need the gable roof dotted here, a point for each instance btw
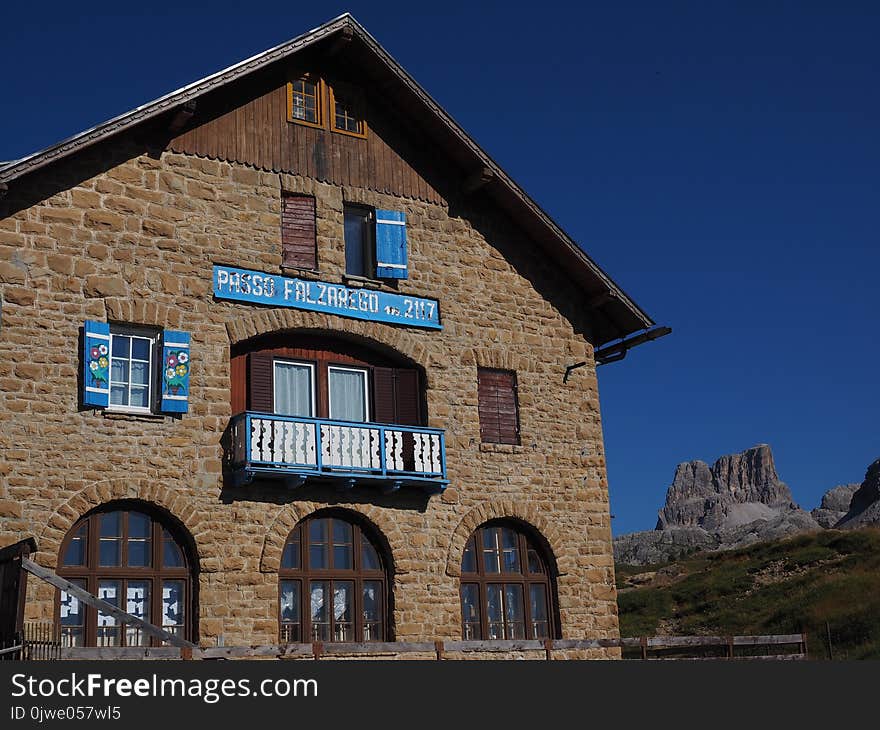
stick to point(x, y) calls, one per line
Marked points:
point(615, 314)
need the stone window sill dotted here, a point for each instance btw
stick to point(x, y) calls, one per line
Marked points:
point(296, 271)
point(127, 416)
point(364, 281)
point(502, 448)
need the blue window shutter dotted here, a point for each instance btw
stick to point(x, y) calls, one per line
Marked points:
point(391, 258)
point(176, 365)
point(96, 364)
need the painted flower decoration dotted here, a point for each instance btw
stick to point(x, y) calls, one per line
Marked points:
point(181, 369)
point(103, 362)
point(102, 349)
point(95, 353)
point(182, 357)
point(172, 361)
point(169, 373)
point(93, 365)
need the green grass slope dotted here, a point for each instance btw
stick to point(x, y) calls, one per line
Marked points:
point(825, 583)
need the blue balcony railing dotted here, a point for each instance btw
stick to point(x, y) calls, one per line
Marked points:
point(297, 449)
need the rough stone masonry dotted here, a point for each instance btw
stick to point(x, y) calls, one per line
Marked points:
point(120, 234)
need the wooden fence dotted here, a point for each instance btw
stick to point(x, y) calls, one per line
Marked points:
point(43, 644)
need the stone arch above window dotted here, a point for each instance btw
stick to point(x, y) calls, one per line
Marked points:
point(562, 556)
point(137, 557)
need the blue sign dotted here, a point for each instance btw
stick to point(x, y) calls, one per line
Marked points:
point(242, 285)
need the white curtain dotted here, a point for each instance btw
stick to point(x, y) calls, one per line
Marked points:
point(293, 389)
point(347, 391)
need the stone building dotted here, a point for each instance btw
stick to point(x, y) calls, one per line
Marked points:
point(286, 357)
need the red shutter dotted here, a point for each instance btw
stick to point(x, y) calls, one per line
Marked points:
point(260, 383)
point(298, 239)
point(499, 419)
point(383, 395)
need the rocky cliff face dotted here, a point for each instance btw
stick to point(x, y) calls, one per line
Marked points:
point(735, 502)
point(864, 508)
point(736, 490)
point(834, 505)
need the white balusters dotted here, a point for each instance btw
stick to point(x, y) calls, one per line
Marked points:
point(357, 447)
point(436, 453)
point(393, 450)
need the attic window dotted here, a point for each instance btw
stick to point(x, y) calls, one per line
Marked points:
point(305, 97)
point(347, 111)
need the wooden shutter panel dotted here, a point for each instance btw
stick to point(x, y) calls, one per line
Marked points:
point(407, 397)
point(391, 255)
point(176, 367)
point(499, 419)
point(298, 238)
point(260, 383)
point(96, 364)
point(383, 395)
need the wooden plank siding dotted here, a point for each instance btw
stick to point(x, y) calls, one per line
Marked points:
point(257, 133)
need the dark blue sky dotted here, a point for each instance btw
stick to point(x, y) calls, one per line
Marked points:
point(719, 159)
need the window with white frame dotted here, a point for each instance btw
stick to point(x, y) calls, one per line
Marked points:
point(348, 394)
point(132, 358)
point(294, 390)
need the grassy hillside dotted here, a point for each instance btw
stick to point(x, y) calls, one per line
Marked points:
point(821, 583)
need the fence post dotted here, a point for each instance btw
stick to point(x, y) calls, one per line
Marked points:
point(317, 649)
point(730, 647)
point(644, 644)
point(438, 649)
point(548, 648)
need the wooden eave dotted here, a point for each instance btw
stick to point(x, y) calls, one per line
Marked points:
point(613, 313)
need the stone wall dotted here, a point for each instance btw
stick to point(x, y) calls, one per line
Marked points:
point(132, 237)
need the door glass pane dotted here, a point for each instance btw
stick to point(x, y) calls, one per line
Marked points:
point(348, 390)
point(139, 542)
point(76, 548)
point(290, 556)
point(511, 550)
point(108, 627)
point(495, 611)
point(291, 624)
point(343, 556)
point(318, 545)
point(72, 617)
point(173, 608)
point(171, 555)
point(514, 614)
point(369, 557)
point(491, 550)
point(372, 610)
point(343, 613)
point(470, 612)
point(538, 607)
point(137, 603)
point(319, 591)
point(469, 559)
point(110, 543)
point(293, 389)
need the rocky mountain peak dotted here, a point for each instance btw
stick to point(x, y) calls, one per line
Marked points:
point(716, 497)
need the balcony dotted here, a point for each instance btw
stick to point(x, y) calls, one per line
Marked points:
point(298, 449)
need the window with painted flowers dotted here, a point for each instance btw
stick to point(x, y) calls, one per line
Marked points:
point(135, 369)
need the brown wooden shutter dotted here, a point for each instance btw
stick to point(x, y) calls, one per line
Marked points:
point(407, 397)
point(238, 383)
point(499, 419)
point(383, 395)
point(260, 383)
point(298, 239)
point(397, 396)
